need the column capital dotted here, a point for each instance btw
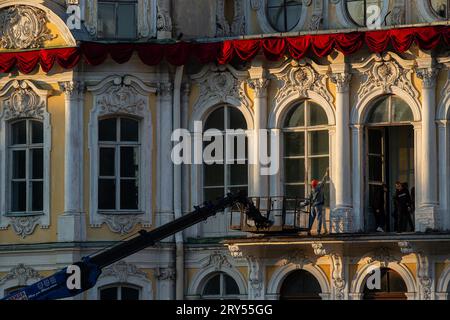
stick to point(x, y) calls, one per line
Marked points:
point(186, 88)
point(72, 89)
point(260, 86)
point(341, 80)
point(165, 89)
point(428, 76)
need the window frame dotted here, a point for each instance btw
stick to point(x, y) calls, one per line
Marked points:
point(119, 287)
point(305, 131)
point(390, 121)
point(284, 6)
point(222, 287)
point(116, 18)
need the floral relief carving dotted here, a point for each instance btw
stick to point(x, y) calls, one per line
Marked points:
point(121, 99)
point(122, 271)
point(23, 102)
point(122, 223)
point(22, 273)
point(23, 27)
point(217, 260)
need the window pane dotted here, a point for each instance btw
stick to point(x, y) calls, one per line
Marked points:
point(37, 132)
point(212, 286)
point(37, 156)
point(375, 141)
point(236, 118)
point(293, 12)
point(109, 294)
point(129, 194)
point(318, 142)
point(380, 112)
point(401, 110)
point(296, 117)
point(106, 194)
point(18, 196)
point(294, 144)
point(231, 286)
point(126, 20)
point(129, 162)
point(107, 162)
point(294, 170)
point(37, 201)
point(214, 174)
point(318, 167)
point(239, 174)
point(276, 18)
point(106, 20)
point(211, 194)
point(294, 191)
point(107, 130)
point(129, 130)
point(317, 115)
point(375, 168)
point(215, 120)
point(19, 132)
point(129, 293)
point(19, 164)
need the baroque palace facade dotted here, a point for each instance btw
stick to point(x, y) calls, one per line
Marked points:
point(86, 117)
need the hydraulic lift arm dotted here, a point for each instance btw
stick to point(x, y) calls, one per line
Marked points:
point(55, 286)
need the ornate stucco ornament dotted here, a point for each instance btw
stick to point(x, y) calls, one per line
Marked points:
point(23, 102)
point(23, 27)
point(121, 98)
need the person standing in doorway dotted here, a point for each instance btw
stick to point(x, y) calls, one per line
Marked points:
point(402, 200)
point(316, 199)
point(378, 206)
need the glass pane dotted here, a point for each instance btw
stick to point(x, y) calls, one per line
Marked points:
point(19, 132)
point(37, 158)
point(276, 18)
point(106, 20)
point(401, 110)
point(212, 287)
point(129, 130)
point(215, 120)
point(317, 115)
point(107, 130)
point(106, 194)
point(293, 12)
point(294, 170)
point(129, 194)
point(375, 168)
point(396, 283)
point(129, 293)
point(295, 191)
point(211, 194)
point(296, 117)
point(231, 286)
point(37, 132)
point(19, 196)
point(318, 167)
point(129, 162)
point(239, 174)
point(18, 164)
point(213, 174)
point(37, 201)
point(375, 141)
point(318, 143)
point(294, 144)
point(236, 118)
point(109, 294)
point(440, 7)
point(107, 162)
point(126, 20)
point(380, 112)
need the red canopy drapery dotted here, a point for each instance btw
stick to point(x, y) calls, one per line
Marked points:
point(179, 53)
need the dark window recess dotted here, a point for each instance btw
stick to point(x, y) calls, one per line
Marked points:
point(117, 19)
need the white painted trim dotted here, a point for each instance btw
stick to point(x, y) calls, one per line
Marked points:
point(443, 283)
point(204, 274)
point(145, 286)
point(276, 281)
point(344, 17)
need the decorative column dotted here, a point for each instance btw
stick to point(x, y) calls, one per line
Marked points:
point(357, 177)
point(256, 285)
point(426, 214)
point(341, 170)
point(71, 224)
point(166, 283)
point(165, 164)
point(444, 138)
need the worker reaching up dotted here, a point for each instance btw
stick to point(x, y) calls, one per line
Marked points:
point(316, 199)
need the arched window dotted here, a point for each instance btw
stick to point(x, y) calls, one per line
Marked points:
point(119, 161)
point(306, 147)
point(300, 285)
point(220, 286)
point(26, 152)
point(441, 8)
point(390, 109)
point(393, 287)
point(357, 10)
point(120, 292)
point(220, 178)
point(284, 15)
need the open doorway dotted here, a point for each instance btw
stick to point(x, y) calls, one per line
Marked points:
point(389, 158)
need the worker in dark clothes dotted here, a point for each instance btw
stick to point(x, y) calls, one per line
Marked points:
point(402, 200)
point(378, 206)
point(316, 199)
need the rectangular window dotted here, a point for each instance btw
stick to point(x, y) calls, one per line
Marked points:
point(117, 19)
point(26, 156)
point(119, 153)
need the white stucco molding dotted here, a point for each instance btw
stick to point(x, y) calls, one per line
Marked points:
point(122, 95)
point(426, 11)
point(443, 111)
point(443, 283)
point(20, 275)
